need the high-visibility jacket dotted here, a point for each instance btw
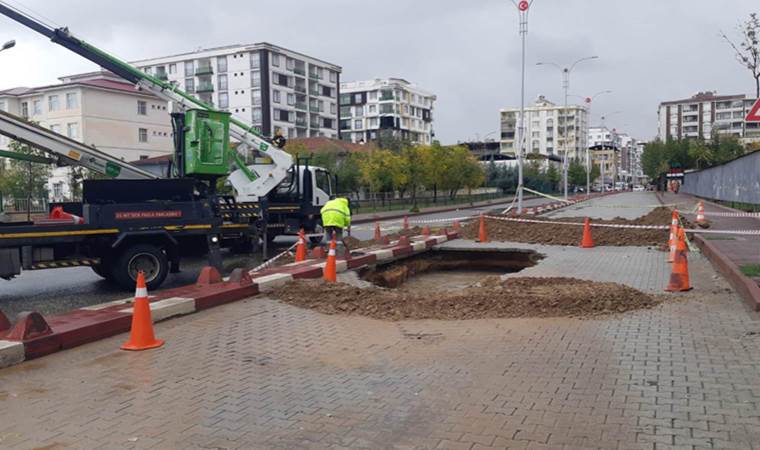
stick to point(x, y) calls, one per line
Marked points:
point(335, 213)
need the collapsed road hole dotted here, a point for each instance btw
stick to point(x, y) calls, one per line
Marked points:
point(449, 269)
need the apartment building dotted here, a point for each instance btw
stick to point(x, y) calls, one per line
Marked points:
point(273, 88)
point(545, 127)
point(391, 105)
point(705, 113)
point(98, 109)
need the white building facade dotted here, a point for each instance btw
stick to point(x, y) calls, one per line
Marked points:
point(392, 105)
point(96, 109)
point(270, 87)
point(705, 113)
point(545, 126)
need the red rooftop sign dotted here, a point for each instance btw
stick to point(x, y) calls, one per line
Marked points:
point(754, 113)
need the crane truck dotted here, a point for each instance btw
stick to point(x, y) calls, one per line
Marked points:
point(135, 221)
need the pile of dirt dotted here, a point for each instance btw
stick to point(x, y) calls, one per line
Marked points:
point(354, 243)
point(551, 234)
point(492, 298)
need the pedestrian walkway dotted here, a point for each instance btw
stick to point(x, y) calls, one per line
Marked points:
point(741, 249)
point(628, 205)
point(260, 374)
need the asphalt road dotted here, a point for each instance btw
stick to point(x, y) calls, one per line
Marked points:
point(59, 290)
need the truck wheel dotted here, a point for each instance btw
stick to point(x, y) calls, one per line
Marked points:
point(101, 271)
point(141, 257)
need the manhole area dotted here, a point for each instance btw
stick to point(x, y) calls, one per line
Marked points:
point(447, 270)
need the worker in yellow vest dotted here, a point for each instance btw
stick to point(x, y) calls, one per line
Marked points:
point(336, 217)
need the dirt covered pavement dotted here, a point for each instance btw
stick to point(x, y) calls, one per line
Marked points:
point(492, 298)
point(354, 243)
point(550, 234)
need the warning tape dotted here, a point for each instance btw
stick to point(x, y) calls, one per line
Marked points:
point(755, 215)
point(556, 199)
point(640, 227)
point(269, 263)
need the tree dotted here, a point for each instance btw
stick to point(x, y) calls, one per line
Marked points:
point(23, 179)
point(747, 50)
point(700, 153)
point(381, 170)
point(553, 177)
point(576, 173)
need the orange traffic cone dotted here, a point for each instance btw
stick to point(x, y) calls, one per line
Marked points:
point(378, 233)
point(301, 247)
point(701, 212)
point(406, 223)
point(141, 336)
point(679, 276)
point(587, 241)
point(456, 226)
point(673, 236)
point(482, 232)
point(330, 272)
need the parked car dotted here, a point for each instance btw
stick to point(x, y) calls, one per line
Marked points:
point(638, 188)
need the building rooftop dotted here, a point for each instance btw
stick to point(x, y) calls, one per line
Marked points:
point(705, 97)
point(246, 47)
point(380, 82)
point(103, 82)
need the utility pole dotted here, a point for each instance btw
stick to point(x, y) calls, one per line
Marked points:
point(523, 6)
point(589, 101)
point(566, 85)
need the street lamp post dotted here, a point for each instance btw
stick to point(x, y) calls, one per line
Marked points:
point(566, 85)
point(523, 6)
point(589, 101)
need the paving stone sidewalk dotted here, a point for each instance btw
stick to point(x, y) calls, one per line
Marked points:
point(259, 374)
point(628, 205)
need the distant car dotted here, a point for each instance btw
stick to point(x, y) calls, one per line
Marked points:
point(639, 188)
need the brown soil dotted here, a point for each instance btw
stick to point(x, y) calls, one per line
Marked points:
point(550, 234)
point(354, 243)
point(493, 298)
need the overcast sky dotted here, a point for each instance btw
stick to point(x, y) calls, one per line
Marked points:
point(465, 51)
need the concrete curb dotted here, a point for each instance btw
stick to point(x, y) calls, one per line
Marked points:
point(747, 288)
point(96, 322)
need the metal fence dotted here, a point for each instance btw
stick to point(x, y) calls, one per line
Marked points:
point(22, 205)
point(737, 181)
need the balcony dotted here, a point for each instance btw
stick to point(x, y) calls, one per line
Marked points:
point(385, 98)
point(204, 87)
point(163, 76)
point(299, 71)
point(301, 106)
point(314, 108)
point(314, 76)
point(300, 121)
point(204, 70)
point(300, 88)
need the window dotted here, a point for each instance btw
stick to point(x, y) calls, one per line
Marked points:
point(291, 99)
point(224, 100)
point(357, 98)
point(55, 128)
point(345, 99)
point(372, 109)
point(290, 63)
point(256, 97)
point(142, 108)
point(327, 123)
point(374, 122)
point(275, 60)
point(256, 78)
point(142, 135)
point(72, 100)
point(345, 124)
point(36, 107)
point(255, 60)
point(333, 108)
point(333, 77)
point(53, 103)
point(327, 91)
point(72, 130)
point(358, 124)
point(172, 68)
point(345, 111)
point(358, 111)
point(24, 109)
point(189, 69)
point(275, 96)
point(190, 85)
point(373, 95)
point(221, 63)
point(256, 116)
point(222, 82)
